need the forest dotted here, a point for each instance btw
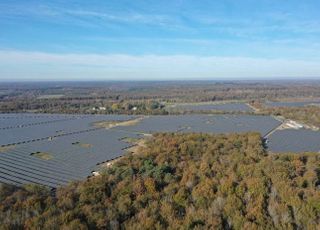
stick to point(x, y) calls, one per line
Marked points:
point(180, 181)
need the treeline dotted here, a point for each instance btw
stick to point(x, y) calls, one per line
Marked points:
point(81, 98)
point(84, 106)
point(309, 115)
point(180, 181)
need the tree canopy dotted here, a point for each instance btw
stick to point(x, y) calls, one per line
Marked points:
point(180, 181)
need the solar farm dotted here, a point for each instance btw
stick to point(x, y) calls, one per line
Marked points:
point(205, 124)
point(226, 107)
point(54, 149)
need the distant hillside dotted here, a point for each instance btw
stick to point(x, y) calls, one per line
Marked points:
point(188, 181)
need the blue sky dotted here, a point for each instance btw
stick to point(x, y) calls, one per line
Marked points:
point(136, 40)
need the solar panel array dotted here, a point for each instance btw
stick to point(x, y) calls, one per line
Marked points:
point(229, 107)
point(57, 136)
point(291, 140)
point(69, 160)
point(206, 124)
point(73, 146)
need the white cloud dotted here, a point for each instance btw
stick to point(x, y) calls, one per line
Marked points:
point(84, 17)
point(37, 65)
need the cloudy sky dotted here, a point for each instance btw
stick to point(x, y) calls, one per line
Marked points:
point(159, 40)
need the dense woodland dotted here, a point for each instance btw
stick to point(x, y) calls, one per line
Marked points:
point(180, 181)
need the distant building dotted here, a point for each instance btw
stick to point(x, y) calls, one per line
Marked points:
point(294, 125)
point(99, 108)
point(94, 173)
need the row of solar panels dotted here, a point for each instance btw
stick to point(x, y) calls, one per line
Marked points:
point(33, 115)
point(8, 124)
